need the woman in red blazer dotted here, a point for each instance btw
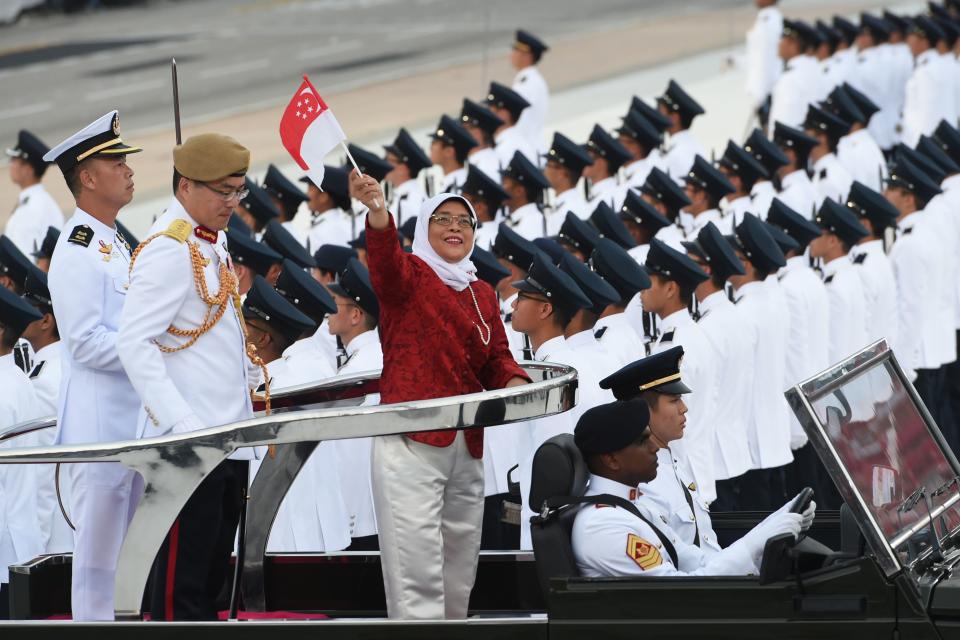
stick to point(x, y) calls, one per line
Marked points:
point(442, 336)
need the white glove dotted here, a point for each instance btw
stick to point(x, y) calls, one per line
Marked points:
point(808, 515)
point(781, 523)
point(188, 424)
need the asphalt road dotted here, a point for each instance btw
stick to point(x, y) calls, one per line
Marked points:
point(59, 72)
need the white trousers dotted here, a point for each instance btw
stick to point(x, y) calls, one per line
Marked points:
point(429, 508)
point(104, 497)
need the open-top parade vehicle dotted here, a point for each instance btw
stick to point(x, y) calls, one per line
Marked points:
point(880, 568)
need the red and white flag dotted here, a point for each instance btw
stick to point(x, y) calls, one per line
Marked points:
point(309, 130)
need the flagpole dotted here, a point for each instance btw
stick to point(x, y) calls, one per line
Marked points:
point(355, 166)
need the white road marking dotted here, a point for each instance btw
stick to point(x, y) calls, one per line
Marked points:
point(340, 47)
point(26, 110)
point(123, 90)
point(234, 69)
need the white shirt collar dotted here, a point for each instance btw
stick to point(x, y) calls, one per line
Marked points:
point(31, 190)
point(713, 301)
point(581, 339)
point(549, 348)
point(599, 485)
point(835, 265)
point(793, 177)
point(677, 319)
point(362, 340)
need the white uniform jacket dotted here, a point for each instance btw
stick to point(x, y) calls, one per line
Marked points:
point(848, 312)
point(530, 84)
point(36, 210)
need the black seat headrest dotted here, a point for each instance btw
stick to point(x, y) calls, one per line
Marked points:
point(558, 470)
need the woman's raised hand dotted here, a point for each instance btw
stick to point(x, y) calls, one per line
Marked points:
point(367, 190)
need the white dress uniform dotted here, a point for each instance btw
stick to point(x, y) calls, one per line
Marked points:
point(486, 233)
point(586, 343)
point(510, 140)
point(46, 376)
point(206, 384)
point(569, 200)
point(720, 324)
point(941, 216)
point(515, 339)
point(916, 265)
point(527, 221)
point(453, 181)
point(834, 74)
point(899, 66)
point(530, 84)
point(880, 291)
point(808, 344)
point(36, 211)
point(306, 360)
point(675, 498)
point(88, 281)
point(951, 189)
point(679, 151)
point(860, 155)
point(407, 198)
point(486, 160)
point(761, 197)
point(929, 97)
point(672, 235)
point(846, 61)
point(761, 312)
point(21, 532)
point(732, 214)
point(848, 313)
point(830, 180)
point(797, 192)
point(636, 172)
point(871, 76)
point(699, 221)
point(763, 63)
point(619, 337)
point(611, 541)
point(363, 354)
point(313, 515)
point(330, 227)
point(531, 434)
point(606, 190)
point(700, 371)
point(799, 86)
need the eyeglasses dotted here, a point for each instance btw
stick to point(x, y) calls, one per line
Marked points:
point(227, 196)
point(445, 220)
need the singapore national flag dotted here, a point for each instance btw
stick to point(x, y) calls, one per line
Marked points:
point(309, 130)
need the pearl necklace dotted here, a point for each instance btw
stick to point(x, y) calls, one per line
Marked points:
point(476, 306)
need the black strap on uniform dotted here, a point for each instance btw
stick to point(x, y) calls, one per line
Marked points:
point(696, 525)
point(616, 501)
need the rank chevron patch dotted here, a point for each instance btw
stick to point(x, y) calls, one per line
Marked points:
point(646, 555)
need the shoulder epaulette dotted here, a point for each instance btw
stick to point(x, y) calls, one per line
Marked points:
point(860, 259)
point(828, 279)
point(81, 235)
point(37, 369)
point(179, 230)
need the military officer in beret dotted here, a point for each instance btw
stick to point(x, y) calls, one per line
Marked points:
point(408, 160)
point(355, 325)
point(743, 171)
point(830, 178)
point(487, 196)
point(800, 84)
point(706, 186)
point(877, 215)
point(331, 218)
point(565, 163)
point(21, 528)
point(620, 328)
point(674, 278)
point(88, 282)
point(508, 105)
point(857, 151)
point(642, 140)
point(669, 198)
point(608, 156)
point(449, 149)
point(36, 209)
point(611, 540)
point(681, 147)
point(719, 322)
point(190, 363)
point(256, 208)
point(482, 125)
point(251, 259)
point(529, 83)
point(764, 316)
point(526, 186)
point(287, 196)
point(796, 189)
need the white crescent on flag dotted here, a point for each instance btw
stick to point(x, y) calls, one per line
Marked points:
point(309, 131)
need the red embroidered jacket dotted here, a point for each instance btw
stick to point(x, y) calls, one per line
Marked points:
point(431, 346)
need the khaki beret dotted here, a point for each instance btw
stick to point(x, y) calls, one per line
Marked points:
point(210, 156)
